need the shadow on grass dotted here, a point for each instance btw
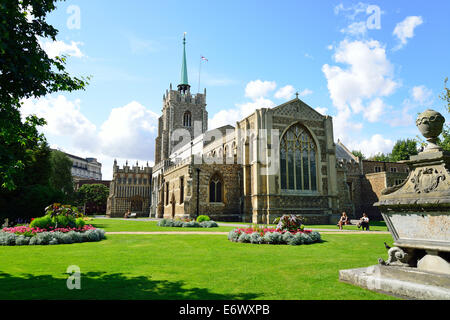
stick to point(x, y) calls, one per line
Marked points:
point(100, 285)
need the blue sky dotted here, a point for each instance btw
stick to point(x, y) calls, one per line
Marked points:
point(371, 65)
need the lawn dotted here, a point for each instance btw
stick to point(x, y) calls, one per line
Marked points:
point(190, 267)
point(110, 225)
point(374, 226)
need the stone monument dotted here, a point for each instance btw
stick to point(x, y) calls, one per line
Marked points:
point(417, 214)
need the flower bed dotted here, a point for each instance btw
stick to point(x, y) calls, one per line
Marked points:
point(20, 236)
point(186, 224)
point(62, 224)
point(273, 236)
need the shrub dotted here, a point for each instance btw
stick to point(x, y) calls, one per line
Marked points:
point(191, 224)
point(244, 238)
point(64, 221)
point(287, 237)
point(208, 224)
point(289, 223)
point(80, 223)
point(44, 222)
point(233, 235)
point(43, 238)
point(297, 239)
point(202, 218)
point(273, 238)
point(22, 240)
point(178, 223)
point(255, 237)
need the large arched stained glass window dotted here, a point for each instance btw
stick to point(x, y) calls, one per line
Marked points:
point(298, 170)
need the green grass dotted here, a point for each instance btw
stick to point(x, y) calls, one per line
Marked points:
point(149, 226)
point(374, 226)
point(190, 267)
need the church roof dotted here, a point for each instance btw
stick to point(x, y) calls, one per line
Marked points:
point(342, 153)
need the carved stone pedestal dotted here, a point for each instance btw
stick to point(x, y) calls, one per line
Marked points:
point(417, 214)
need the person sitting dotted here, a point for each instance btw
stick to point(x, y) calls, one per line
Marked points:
point(343, 220)
point(364, 222)
point(127, 214)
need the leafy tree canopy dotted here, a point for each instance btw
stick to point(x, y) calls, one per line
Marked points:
point(403, 150)
point(93, 193)
point(26, 71)
point(61, 172)
point(359, 154)
point(381, 157)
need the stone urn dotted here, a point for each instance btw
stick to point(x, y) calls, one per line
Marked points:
point(430, 124)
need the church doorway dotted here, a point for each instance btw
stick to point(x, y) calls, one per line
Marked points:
point(136, 204)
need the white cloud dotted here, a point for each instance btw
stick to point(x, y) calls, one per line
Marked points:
point(258, 89)
point(322, 111)
point(63, 117)
point(356, 29)
point(128, 133)
point(369, 74)
point(375, 110)
point(58, 48)
point(305, 93)
point(285, 93)
point(422, 94)
point(370, 147)
point(405, 30)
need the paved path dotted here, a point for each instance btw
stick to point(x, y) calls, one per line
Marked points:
point(225, 233)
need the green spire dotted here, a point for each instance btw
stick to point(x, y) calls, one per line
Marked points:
point(184, 75)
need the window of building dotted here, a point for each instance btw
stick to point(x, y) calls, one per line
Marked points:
point(407, 170)
point(215, 188)
point(129, 180)
point(181, 190)
point(298, 160)
point(377, 169)
point(167, 193)
point(399, 181)
point(393, 169)
point(187, 119)
point(145, 181)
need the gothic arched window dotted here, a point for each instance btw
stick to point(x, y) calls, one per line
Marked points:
point(187, 119)
point(298, 169)
point(215, 188)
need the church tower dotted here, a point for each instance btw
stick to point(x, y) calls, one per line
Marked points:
point(181, 110)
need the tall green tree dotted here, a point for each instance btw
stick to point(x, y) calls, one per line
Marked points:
point(381, 157)
point(26, 71)
point(60, 174)
point(359, 154)
point(93, 194)
point(403, 150)
point(444, 139)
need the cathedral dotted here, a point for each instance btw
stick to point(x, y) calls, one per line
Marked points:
point(276, 161)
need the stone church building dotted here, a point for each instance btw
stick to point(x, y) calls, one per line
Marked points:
point(276, 161)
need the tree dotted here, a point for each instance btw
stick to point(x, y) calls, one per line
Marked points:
point(93, 194)
point(359, 154)
point(381, 157)
point(444, 142)
point(61, 173)
point(26, 71)
point(403, 150)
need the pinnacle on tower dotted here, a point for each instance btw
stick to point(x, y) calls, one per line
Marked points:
point(184, 86)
